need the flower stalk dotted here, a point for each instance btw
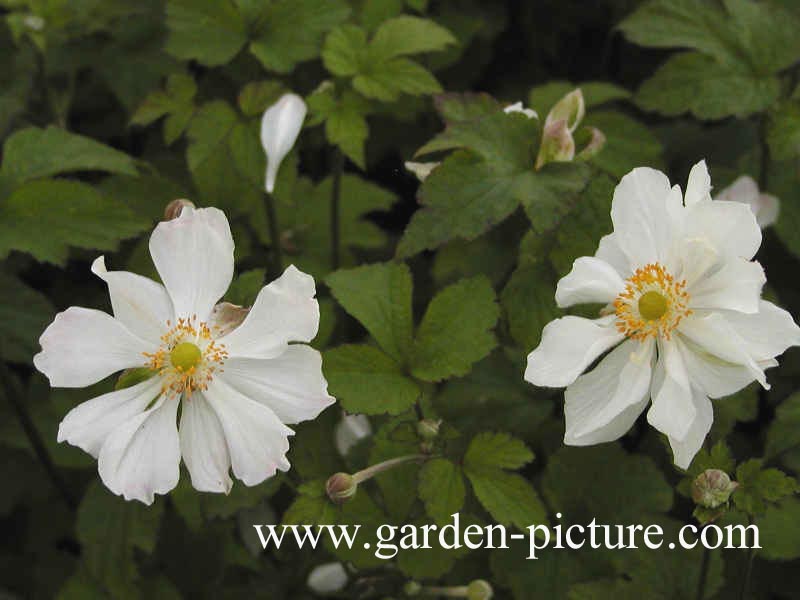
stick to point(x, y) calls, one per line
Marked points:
point(478, 589)
point(336, 193)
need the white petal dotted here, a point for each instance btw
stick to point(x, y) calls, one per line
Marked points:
point(203, 446)
point(284, 311)
point(683, 450)
point(89, 424)
point(730, 227)
point(603, 404)
point(768, 208)
point(280, 126)
point(139, 303)
point(141, 457)
point(292, 384)
point(194, 257)
point(736, 285)
point(569, 345)
point(766, 334)
point(257, 440)
point(673, 411)
point(327, 579)
point(698, 188)
point(349, 431)
point(590, 280)
point(517, 107)
point(82, 346)
point(744, 189)
point(609, 251)
point(642, 223)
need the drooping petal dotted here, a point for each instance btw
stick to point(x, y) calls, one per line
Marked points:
point(349, 431)
point(82, 346)
point(642, 223)
point(609, 251)
point(569, 345)
point(284, 311)
point(292, 384)
point(672, 411)
point(257, 440)
point(603, 404)
point(698, 188)
point(141, 457)
point(684, 450)
point(89, 424)
point(730, 227)
point(203, 446)
point(736, 285)
point(194, 257)
point(767, 333)
point(590, 280)
point(280, 126)
point(139, 303)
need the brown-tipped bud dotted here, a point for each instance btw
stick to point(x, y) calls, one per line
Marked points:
point(557, 144)
point(597, 140)
point(428, 429)
point(479, 590)
point(712, 488)
point(412, 588)
point(340, 487)
point(174, 208)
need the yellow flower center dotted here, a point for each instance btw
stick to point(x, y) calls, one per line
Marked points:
point(185, 355)
point(652, 304)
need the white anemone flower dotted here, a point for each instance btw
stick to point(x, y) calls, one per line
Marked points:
point(684, 320)
point(237, 385)
point(745, 190)
point(280, 126)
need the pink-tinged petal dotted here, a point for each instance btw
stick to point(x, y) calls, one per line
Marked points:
point(672, 411)
point(291, 384)
point(203, 446)
point(767, 333)
point(141, 457)
point(684, 450)
point(139, 303)
point(257, 440)
point(569, 345)
point(284, 311)
point(89, 424)
point(194, 257)
point(590, 280)
point(82, 346)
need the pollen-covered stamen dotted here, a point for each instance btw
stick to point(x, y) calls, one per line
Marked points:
point(188, 357)
point(653, 303)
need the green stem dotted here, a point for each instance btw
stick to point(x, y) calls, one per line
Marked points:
point(458, 591)
point(371, 471)
point(336, 191)
point(274, 236)
point(701, 582)
point(751, 554)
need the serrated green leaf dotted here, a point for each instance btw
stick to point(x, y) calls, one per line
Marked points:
point(552, 192)
point(455, 108)
point(629, 143)
point(441, 488)
point(345, 121)
point(244, 289)
point(387, 80)
point(783, 434)
point(344, 49)
point(209, 31)
point(757, 486)
point(783, 130)
point(492, 450)
point(24, 313)
point(406, 35)
point(529, 303)
point(176, 102)
point(779, 531)
point(508, 497)
point(256, 96)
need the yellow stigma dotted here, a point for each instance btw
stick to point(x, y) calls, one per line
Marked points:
point(652, 305)
point(185, 355)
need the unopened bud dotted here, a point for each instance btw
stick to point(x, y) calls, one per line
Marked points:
point(174, 208)
point(597, 140)
point(557, 144)
point(428, 429)
point(712, 488)
point(340, 487)
point(412, 588)
point(570, 109)
point(479, 590)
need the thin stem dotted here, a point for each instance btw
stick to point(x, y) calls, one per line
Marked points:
point(763, 175)
point(14, 397)
point(701, 582)
point(751, 554)
point(371, 471)
point(274, 236)
point(336, 191)
point(459, 591)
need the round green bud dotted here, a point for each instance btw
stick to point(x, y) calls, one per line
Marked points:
point(479, 590)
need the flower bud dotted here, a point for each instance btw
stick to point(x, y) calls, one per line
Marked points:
point(712, 488)
point(428, 429)
point(280, 127)
point(557, 144)
point(340, 487)
point(479, 590)
point(174, 208)
point(570, 108)
point(421, 169)
point(596, 142)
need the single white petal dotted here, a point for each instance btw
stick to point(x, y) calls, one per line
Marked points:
point(141, 457)
point(291, 384)
point(602, 404)
point(327, 579)
point(639, 211)
point(82, 346)
point(609, 251)
point(257, 440)
point(684, 450)
point(569, 345)
point(698, 188)
point(766, 334)
point(673, 411)
point(194, 257)
point(89, 424)
point(203, 446)
point(518, 107)
point(735, 285)
point(284, 311)
point(744, 189)
point(590, 280)
point(767, 210)
point(730, 227)
point(421, 169)
point(349, 431)
point(280, 126)
point(696, 259)
point(139, 303)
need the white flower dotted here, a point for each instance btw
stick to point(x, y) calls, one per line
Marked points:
point(238, 388)
point(517, 107)
point(745, 190)
point(349, 431)
point(328, 578)
point(280, 127)
point(683, 316)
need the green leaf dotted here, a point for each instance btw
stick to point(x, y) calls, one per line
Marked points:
point(389, 79)
point(33, 153)
point(176, 102)
point(629, 143)
point(455, 108)
point(256, 96)
point(343, 50)
point(345, 121)
point(406, 35)
point(783, 435)
point(379, 296)
point(456, 331)
point(441, 488)
point(758, 486)
point(783, 130)
point(365, 380)
point(496, 451)
point(549, 195)
point(72, 214)
point(24, 313)
point(244, 289)
point(396, 438)
point(529, 303)
point(779, 531)
point(508, 497)
point(209, 31)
